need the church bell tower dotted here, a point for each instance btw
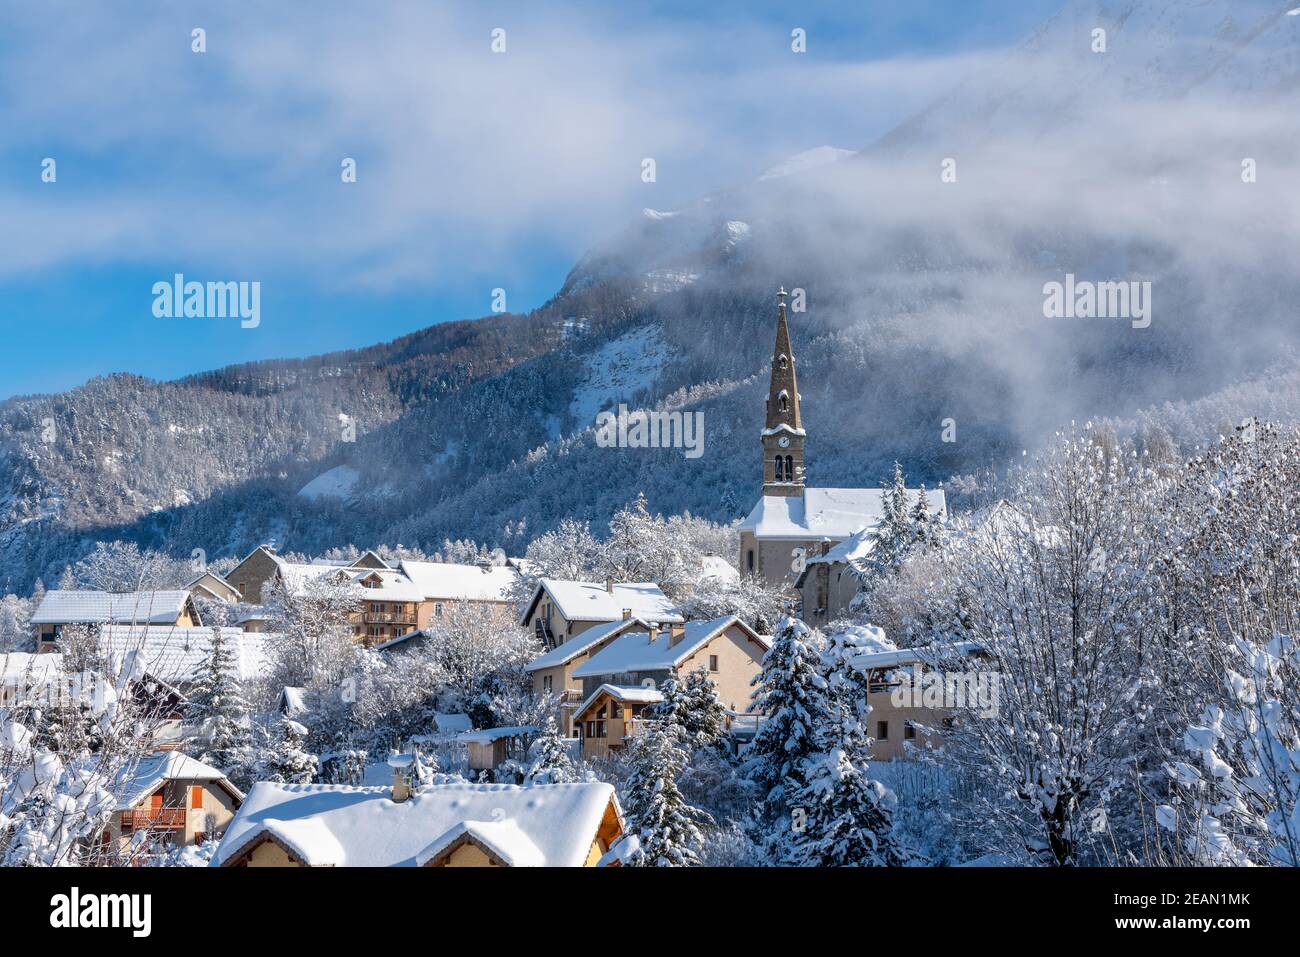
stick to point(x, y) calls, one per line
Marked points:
point(783, 437)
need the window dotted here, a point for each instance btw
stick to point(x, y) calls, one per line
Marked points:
point(546, 683)
point(713, 662)
point(749, 560)
point(789, 468)
point(882, 730)
point(196, 797)
point(437, 609)
point(783, 361)
point(780, 469)
point(591, 729)
point(783, 402)
point(909, 730)
point(600, 729)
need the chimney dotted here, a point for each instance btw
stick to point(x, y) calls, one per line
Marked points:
point(627, 614)
point(654, 632)
point(675, 634)
point(609, 584)
point(402, 770)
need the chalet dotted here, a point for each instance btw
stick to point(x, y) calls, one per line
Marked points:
point(552, 673)
point(791, 523)
point(611, 715)
point(726, 649)
point(175, 798)
point(560, 609)
point(213, 587)
point(440, 825)
point(61, 608)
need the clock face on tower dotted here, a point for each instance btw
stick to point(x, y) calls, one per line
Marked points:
point(784, 441)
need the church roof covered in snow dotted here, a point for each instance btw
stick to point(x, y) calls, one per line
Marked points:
point(540, 825)
point(588, 601)
point(831, 513)
point(63, 606)
point(635, 651)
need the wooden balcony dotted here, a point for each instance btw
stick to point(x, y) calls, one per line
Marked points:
point(388, 617)
point(165, 818)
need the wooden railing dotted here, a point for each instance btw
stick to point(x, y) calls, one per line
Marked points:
point(166, 818)
point(388, 617)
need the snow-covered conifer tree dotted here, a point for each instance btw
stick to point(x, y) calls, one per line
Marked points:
point(665, 826)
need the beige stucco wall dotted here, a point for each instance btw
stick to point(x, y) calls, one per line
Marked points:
point(270, 854)
point(739, 660)
point(883, 709)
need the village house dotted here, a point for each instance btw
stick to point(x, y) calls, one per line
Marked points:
point(437, 825)
point(903, 718)
point(393, 602)
point(63, 608)
point(213, 587)
point(164, 663)
point(176, 799)
point(615, 680)
point(559, 610)
point(552, 673)
point(792, 523)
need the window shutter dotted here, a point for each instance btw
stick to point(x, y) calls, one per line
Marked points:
point(196, 797)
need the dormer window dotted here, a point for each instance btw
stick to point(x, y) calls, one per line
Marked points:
point(782, 361)
point(783, 401)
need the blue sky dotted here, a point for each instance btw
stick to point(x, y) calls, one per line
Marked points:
point(475, 170)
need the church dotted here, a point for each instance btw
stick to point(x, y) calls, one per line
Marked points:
point(794, 526)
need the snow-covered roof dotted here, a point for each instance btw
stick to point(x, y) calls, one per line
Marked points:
point(625, 694)
point(833, 513)
point(855, 548)
point(505, 840)
point(925, 654)
point(717, 568)
point(201, 583)
point(63, 606)
point(137, 782)
point(488, 735)
point(588, 601)
point(549, 825)
point(448, 582)
point(581, 642)
point(175, 654)
point(634, 651)
point(23, 668)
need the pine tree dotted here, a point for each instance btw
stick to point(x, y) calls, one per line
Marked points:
point(217, 704)
point(788, 694)
point(553, 763)
point(841, 817)
point(290, 762)
point(666, 828)
point(692, 707)
point(925, 525)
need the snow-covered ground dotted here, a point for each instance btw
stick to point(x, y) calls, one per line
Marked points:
point(617, 371)
point(339, 482)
